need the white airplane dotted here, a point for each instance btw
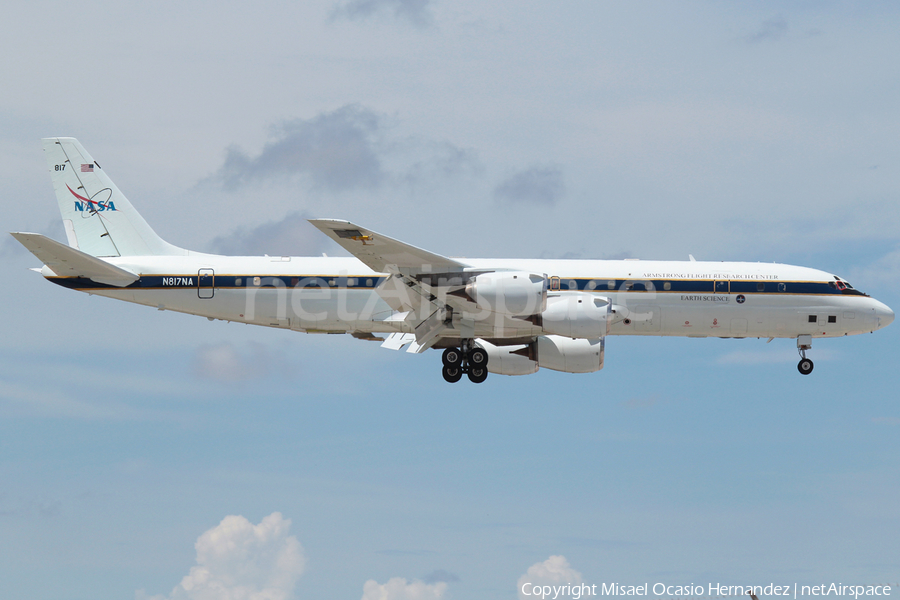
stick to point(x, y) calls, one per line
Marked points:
point(505, 316)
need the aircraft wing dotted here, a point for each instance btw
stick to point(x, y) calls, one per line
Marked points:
point(382, 253)
point(70, 262)
point(411, 290)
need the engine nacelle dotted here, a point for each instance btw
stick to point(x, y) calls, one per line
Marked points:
point(577, 315)
point(552, 352)
point(568, 355)
point(512, 293)
point(510, 360)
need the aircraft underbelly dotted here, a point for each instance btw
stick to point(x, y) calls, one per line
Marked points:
point(756, 317)
point(317, 310)
point(363, 310)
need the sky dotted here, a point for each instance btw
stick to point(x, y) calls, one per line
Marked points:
point(150, 455)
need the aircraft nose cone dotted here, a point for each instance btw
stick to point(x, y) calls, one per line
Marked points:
point(885, 315)
point(882, 313)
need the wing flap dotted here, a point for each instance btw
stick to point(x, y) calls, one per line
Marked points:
point(69, 262)
point(396, 341)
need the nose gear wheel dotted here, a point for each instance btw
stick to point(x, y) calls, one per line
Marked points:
point(805, 366)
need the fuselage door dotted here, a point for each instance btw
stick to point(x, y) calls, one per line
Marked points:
point(721, 287)
point(206, 279)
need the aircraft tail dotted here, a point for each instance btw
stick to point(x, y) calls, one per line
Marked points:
point(99, 219)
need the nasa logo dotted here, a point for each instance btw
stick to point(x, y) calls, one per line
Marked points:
point(740, 299)
point(90, 205)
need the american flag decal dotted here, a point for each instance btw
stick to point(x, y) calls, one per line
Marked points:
point(89, 168)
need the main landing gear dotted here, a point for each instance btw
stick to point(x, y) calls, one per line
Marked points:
point(804, 343)
point(469, 359)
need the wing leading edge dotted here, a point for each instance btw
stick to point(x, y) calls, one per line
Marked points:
point(382, 253)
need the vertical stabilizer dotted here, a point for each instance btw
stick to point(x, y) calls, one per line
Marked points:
point(98, 218)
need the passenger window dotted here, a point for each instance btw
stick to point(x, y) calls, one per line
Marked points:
point(238, 281)
point(782, 287)
point(256, 281)
point(351, 282)
point(832, 318)
point(812, 318)
point(573, 285)
point(760, 287)
point(667, 286)
point(368, 283)
point(611, 284)
point(629, 287)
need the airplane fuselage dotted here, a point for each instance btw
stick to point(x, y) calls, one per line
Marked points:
point(338, 295)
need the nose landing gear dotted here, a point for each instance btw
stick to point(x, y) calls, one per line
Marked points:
point(470, 359)
point(804, 343)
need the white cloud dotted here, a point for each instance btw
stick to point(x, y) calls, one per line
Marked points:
point(416, 11)
point(336, 150)
point(291, 236)
point(770, 30)
point(225, 362)
point(439, 575)
point(555, 571)
point(535, 185)
point(350, 149)
point(237, 560)
point(398, 589)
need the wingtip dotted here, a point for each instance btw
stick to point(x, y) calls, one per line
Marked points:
point(327, 221)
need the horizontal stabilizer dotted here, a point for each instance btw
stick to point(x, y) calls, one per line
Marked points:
point(69, 262)
point(378, 252)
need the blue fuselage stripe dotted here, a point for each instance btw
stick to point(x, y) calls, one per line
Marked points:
point(598, 285)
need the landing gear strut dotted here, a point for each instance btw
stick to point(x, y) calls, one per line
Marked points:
point(804, 343)
point(469, 359)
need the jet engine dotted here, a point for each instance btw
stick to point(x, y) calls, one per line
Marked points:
point(549, 351)
point(510, 360)
point(570, 356)
point(577, 315)
point(512, 293)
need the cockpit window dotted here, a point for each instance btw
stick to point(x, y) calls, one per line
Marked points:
point(840, 284)
point(844, 287)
